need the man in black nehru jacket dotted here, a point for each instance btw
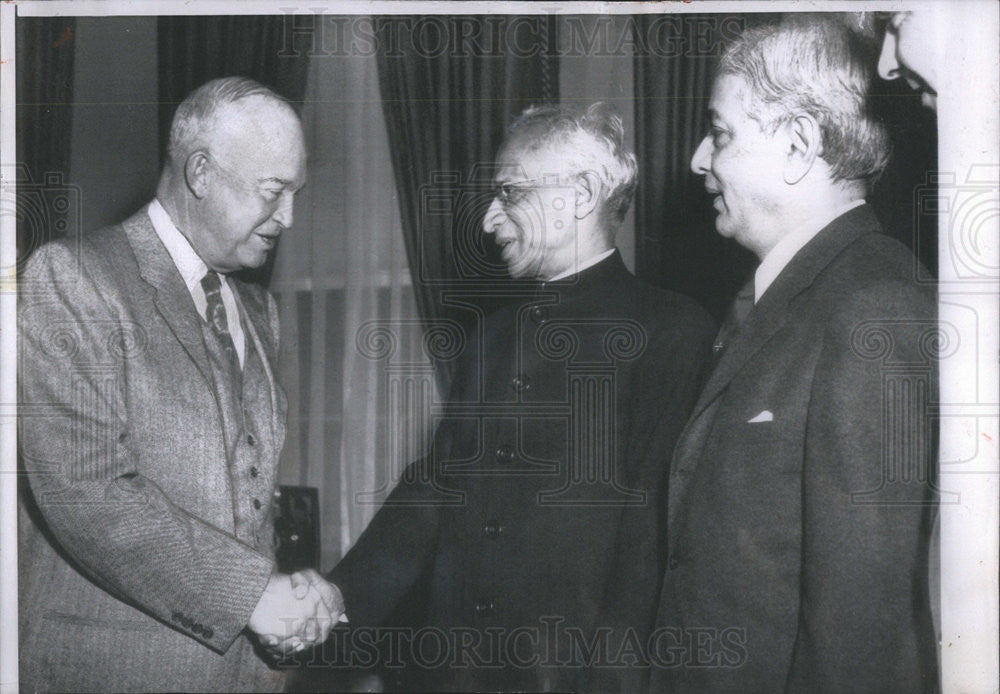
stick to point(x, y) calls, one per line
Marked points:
point(531, 525)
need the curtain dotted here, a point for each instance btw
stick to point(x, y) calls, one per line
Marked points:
point(352, 356)
point(194, 50)
point(447, 112)
point(47, 206)
point(676, 244)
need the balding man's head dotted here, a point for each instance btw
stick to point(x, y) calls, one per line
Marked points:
point(236, 157)
point(211, 108)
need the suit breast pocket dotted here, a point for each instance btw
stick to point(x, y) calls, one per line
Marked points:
point(767, 447)
point(756, 440)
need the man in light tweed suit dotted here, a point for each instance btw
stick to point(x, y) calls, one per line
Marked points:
point(151, 425)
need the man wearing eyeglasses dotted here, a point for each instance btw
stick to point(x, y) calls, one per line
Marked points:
point(151, 424)
point(531, 531)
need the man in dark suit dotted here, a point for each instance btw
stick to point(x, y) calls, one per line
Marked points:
point(530, 531)
point(151, 424)
point(801, 490)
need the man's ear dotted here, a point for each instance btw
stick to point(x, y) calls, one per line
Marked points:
point(805, 144)
point(588, 193)
point(196, 173)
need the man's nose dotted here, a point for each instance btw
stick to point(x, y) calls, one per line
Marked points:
point(285, 213)
point(494, 217)
point(888, 66)
point(702, 157)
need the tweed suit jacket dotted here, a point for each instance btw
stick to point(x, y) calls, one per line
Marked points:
point(802, 492)
point(131, 576)
point(532, 514)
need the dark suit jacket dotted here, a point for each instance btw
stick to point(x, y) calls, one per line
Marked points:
point(798, 547)
point(532, 515)
point(131, 576)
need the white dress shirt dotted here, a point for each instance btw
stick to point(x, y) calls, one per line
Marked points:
point(193, 269)
point(783, 252)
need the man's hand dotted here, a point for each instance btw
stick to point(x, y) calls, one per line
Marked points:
point(296, 611)
point(309, 579)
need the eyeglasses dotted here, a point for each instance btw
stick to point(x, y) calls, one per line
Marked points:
point(505, 192)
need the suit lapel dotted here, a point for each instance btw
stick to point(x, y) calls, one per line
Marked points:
point(258, 331)
point(772, 311)
point(766, 319)
point(254, 315)
point(170, 296)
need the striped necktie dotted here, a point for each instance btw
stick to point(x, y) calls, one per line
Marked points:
point(215, 315)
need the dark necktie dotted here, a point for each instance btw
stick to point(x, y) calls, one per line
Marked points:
point(738, 313)
point(215, 314)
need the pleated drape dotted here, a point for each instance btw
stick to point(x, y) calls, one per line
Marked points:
point(676, 243)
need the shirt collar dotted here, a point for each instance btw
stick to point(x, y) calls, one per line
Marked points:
point(783, 252)
point(580, 267)
point(189, 264)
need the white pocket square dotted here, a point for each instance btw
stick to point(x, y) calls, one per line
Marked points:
point(765, 416)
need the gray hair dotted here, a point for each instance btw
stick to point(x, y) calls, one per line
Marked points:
point(815, 65)
point(195, 116)
point(596, 140)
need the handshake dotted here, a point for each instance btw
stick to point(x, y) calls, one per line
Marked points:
point(296, 611)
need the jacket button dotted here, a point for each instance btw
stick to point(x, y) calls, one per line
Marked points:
point(254, 471)
point(673, 562)
point(484, 607)
point(493, 529)
point(539, 314)
point(504, 454)
point(521, 383)
point(251, 440)
point(207, 632)
point(176, 616)
point(256, 504)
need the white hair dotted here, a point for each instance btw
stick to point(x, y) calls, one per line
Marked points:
point(196, 115)
point(814, 65)
point(591, 141)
